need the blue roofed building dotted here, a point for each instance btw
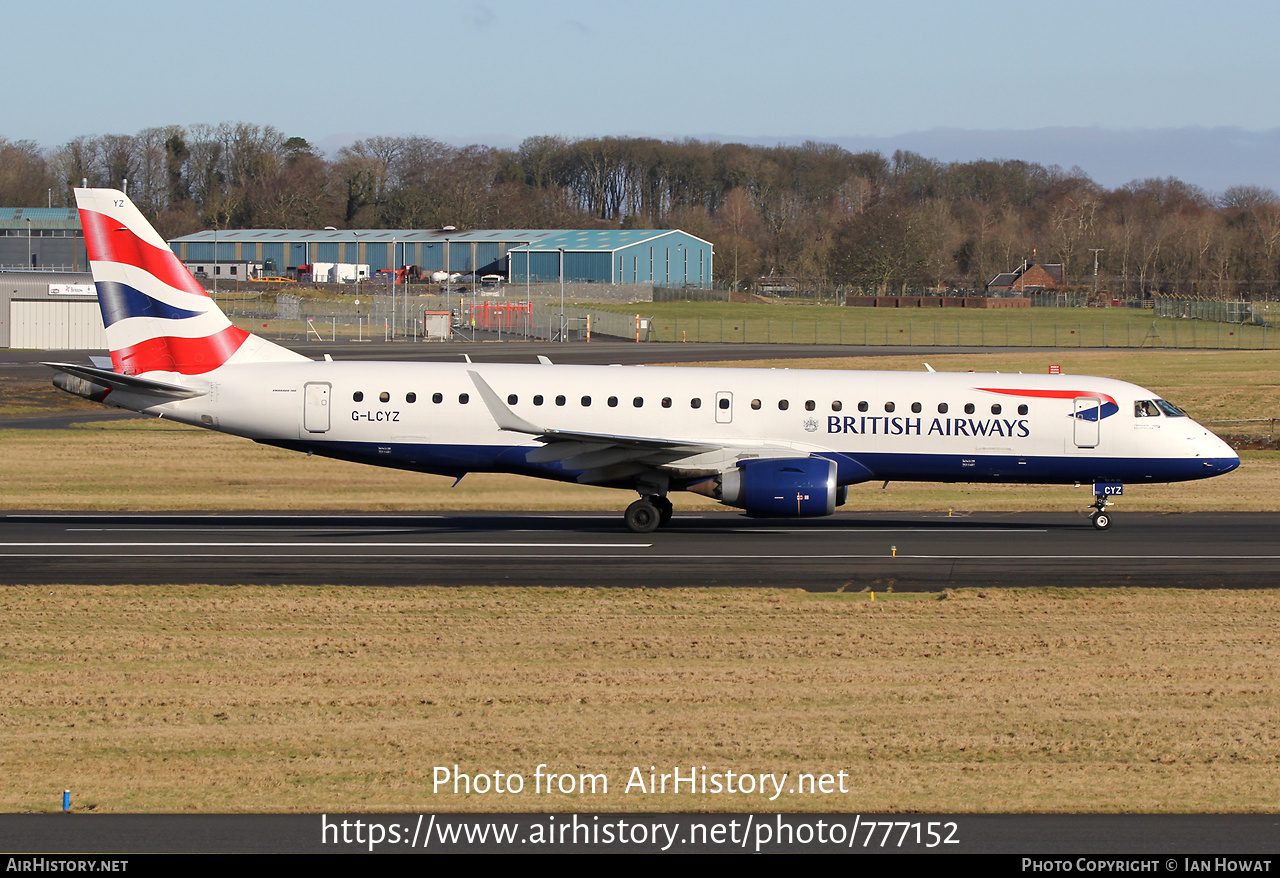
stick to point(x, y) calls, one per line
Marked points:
point(666, 257)
point(42, 237)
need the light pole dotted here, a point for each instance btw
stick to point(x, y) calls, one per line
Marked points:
point(561, 251)
point(311, 256)
point(357, 267)
point(1095, 251)
point(395, 273)
point(29, 245)
point(447, 261)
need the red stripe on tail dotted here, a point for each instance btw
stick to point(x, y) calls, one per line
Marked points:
point(107, 241)
point(188, 356)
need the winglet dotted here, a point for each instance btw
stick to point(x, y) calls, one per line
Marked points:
point(503, 416)
point(544, 360)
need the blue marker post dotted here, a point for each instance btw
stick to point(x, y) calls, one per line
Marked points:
point(66, 801)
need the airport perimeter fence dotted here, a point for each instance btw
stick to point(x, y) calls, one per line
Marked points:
point(897, 329)
point(380, 316)
point(1208, 309)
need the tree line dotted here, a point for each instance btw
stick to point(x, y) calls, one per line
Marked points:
point(814, 212)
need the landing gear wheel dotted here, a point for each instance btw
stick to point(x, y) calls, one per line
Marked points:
point(665, 509)
point(643, 517)
point(1100, 520)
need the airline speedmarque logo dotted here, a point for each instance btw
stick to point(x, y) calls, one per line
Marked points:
point(883, 425)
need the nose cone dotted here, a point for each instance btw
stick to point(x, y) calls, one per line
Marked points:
point(1217, 457)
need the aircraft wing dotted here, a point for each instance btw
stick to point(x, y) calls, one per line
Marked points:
point(600, 454)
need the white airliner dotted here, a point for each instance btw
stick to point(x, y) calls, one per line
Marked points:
point(774, 442)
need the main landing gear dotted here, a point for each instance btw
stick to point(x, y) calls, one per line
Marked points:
point(648, 513)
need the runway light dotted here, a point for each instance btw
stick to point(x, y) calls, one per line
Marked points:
point(66, 801)
point(894, 549)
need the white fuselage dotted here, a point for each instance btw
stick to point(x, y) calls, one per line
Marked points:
point(876, 425)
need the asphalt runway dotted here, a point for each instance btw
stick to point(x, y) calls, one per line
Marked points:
point(850, 551)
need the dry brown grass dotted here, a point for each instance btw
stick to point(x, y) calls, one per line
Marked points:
point(161, 466)
point(208, 699)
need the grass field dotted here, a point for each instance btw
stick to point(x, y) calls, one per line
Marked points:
point(1015, 327)
point(201, 699)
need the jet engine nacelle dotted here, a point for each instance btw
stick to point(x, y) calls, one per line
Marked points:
point(793, 487)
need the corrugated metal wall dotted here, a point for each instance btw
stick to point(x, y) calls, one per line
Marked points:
point(432, 257)
point(488, 257)
point(460, 257)
point(52, 325)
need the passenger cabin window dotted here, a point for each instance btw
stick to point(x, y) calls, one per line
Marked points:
point(358, 396)
point(968, 408)
point(384, 397)
point(537, 399)
point(512, 399)
point(836, 405)
point(995, 409)
point(724, 404)
point(463, 398)
point(810, 405)
point(437, 398)
point(586, 401)
point(411, 397)
point(638, 401)
point(695, 403)
point(782, 405)
point(755, 403)
point(888, 406)
point(1022, 409)
point(942, 408)
point(560, 400)
point(862, 406)
point(915, 407)
point(666, 402)
point(613, 402)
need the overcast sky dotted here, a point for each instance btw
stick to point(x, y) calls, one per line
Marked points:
point(496, 71)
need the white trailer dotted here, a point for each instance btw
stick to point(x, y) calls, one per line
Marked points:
point(339, 272)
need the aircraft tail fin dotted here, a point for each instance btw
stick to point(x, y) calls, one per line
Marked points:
point(157, 317)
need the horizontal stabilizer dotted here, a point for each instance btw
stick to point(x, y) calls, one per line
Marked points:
point(127, 383)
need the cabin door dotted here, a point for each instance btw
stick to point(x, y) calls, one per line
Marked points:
point(1088, 420)
point(315, 412)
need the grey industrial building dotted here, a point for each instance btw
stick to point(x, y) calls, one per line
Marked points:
point(42, 237)
point(663, 256)
point(56, 307)
point(50, 310)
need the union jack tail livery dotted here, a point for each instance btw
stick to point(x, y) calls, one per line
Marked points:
point(157, 317)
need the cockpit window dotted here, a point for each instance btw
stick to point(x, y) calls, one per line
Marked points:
point(1170, 409)
point(1145, 408)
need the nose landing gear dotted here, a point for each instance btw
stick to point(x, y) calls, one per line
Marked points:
point(1100, 518)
